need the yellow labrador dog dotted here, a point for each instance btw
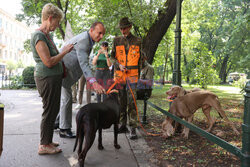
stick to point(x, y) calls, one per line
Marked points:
point(186, 104)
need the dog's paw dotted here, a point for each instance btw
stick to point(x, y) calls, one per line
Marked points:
point(117, 146)
point(100, 147)
point(185, 135)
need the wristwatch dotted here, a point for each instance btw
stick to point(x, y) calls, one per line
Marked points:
point(92, 80)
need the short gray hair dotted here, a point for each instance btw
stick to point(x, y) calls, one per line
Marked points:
point(95, 24)
point(51, 10)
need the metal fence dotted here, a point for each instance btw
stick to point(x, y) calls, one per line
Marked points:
point(13, 82)
point(5, 80)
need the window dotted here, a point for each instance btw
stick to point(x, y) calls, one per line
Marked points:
point(6, 54)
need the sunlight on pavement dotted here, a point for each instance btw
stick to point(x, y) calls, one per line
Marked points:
point(72, 161)
point(26, 94)
point(230, 89)
point(12, 115)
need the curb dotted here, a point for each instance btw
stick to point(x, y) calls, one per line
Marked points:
point(142, 152)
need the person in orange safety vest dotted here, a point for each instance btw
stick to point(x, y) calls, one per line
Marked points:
point(127, 58)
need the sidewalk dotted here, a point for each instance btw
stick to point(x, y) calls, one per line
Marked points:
point(23, 110)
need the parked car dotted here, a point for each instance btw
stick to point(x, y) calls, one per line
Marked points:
point(235, 76)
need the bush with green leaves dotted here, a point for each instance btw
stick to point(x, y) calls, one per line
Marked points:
point(28, 77)
point(241, 83)
point(16, 82)
point(204, 72)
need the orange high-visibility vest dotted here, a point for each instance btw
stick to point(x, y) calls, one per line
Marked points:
point(130, 61)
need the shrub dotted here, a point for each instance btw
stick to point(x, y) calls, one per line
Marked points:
point(241, 83)
point(28, 77)
point(16, 82)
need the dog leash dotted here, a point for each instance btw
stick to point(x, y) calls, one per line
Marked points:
point(112, 86)
point(138, 118)
point(148, 133)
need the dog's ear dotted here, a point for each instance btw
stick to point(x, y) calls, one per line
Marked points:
point(181, 92)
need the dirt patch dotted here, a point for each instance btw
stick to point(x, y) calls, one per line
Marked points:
point(195, 151)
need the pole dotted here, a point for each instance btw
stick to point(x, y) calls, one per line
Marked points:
point(1, 127)
point(177, 54)
point(245, 159)
point(144, 118)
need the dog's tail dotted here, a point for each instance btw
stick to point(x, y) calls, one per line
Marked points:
point(77, 135)
point(79, 118)
point(218, 108)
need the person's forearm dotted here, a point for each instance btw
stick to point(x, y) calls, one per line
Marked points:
point(48, 60)
point(55, 59)
point(108, 61)
point(94, 62)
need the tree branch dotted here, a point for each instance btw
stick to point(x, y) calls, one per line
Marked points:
point(59, 4)
point(65, 11)
point(61, 31)
point(135, 27)
point(159, 29)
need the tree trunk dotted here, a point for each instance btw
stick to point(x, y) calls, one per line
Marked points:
point(223, 70)
point(158, 29)
point(59, 5)
point(171, 62)
point(165, 67)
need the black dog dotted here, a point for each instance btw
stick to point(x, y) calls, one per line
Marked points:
point(95, 116)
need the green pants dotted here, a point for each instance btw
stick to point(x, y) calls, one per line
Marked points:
point(49, 89)
point(128, 109)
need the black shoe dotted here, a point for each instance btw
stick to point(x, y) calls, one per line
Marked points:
point(133, 134)
point(66, 133)
point(56, 125)
point(123, 129)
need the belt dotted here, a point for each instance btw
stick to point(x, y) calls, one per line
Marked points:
point(102, 68)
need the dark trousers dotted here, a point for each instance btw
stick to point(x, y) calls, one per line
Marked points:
point(103, 78)
point(127, 103)
point(49, 89)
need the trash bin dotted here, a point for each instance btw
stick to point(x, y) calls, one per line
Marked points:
point(1, 127)
point(144, 89)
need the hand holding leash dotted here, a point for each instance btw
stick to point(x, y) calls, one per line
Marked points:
point(98, 88)
point(122, 67)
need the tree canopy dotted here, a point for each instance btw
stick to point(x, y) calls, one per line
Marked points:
point(216, 31)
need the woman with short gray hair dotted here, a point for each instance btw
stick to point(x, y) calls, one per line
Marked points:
point(48, 74)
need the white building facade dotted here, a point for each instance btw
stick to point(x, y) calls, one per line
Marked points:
point(13, 34)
